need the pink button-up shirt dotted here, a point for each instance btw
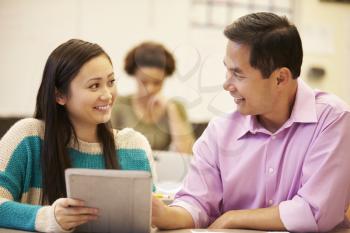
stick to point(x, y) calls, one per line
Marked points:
point(303, 168)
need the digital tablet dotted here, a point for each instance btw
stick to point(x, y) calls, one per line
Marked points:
point(123, 197)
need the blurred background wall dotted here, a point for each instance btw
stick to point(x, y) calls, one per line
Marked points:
point(191, 29)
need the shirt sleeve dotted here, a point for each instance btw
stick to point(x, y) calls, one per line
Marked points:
point(321, 202)
point(201, 194)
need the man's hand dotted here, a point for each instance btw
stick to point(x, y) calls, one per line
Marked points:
point(258, 219)
point(225, 221)
point(70, 213)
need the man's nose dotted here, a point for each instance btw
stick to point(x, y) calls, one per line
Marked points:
point(228, 85)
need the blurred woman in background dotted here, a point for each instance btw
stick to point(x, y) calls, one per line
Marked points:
point(162, 121)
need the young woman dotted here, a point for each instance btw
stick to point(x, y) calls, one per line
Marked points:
point(163, 122)
point(70, 129)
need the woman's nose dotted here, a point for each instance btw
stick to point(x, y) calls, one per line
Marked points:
point(150, 88)
point(106, 95)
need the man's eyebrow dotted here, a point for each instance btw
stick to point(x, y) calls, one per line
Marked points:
point(235, 69)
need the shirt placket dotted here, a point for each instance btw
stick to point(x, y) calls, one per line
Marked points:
point(270, 172)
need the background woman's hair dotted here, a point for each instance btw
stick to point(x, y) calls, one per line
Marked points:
point(149, 54)
point(62, 66)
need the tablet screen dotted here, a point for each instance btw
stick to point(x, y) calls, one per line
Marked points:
point(123, 197)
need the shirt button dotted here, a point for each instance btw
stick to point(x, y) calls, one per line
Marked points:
point(271, 170)
point(273, 137)
point(270, 202)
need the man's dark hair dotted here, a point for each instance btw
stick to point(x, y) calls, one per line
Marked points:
point(274, 42)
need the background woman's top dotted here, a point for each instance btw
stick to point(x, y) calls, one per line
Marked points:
point(158, 133)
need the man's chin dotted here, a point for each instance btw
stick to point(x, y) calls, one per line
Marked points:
point(244, 112)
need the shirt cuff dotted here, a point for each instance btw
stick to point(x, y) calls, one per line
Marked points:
point(46, 221)
point(297, 216)
point(199, 216)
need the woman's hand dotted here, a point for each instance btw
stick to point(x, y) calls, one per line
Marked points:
point(170, 217)
point(158, 103)
point(158, 210)
point(154, 108)
point(70, 213)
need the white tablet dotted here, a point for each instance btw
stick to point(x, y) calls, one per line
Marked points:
point(123, 197)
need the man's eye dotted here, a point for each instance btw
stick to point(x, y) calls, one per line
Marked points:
point(237, 76)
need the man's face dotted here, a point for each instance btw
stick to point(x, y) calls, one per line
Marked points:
point(252, 94)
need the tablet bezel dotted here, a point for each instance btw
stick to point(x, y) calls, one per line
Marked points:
point(136, 195)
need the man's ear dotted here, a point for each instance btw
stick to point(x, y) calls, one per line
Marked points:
point(284, 75)
point(60, 98)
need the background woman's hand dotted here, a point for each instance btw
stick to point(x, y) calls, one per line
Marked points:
point(70, 213)
point(158, 103)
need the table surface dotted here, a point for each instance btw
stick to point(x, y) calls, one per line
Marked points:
point(341, 230)
point(3, 230)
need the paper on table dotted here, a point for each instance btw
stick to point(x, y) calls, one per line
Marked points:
point(195, 231)
point(277, 231)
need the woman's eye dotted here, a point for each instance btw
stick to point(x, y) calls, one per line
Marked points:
point(111, 82)
point(94, 86)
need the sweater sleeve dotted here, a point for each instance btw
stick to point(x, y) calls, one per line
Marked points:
point(19, 147)
point(131, 140)
point(17, 215)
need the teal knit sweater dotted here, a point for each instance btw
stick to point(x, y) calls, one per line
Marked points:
point(21, 177)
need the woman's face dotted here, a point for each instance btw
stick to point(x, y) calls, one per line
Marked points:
point(91, 93)
point(149, 81)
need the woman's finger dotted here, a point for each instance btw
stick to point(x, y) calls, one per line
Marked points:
point(72, 212)
point(80, 218)
point(81, 211)
point(75, 224)
point(67, 202)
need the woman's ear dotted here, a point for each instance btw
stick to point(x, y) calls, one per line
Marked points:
point(60, 98)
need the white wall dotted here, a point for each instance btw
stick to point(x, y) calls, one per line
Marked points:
point(327, 25)
point(30, 30)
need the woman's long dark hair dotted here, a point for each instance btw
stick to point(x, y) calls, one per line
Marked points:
point(61, 68)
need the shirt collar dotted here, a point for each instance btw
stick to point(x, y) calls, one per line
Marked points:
point(304, 111)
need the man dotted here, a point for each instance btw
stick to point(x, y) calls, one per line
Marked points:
point(279, 162)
